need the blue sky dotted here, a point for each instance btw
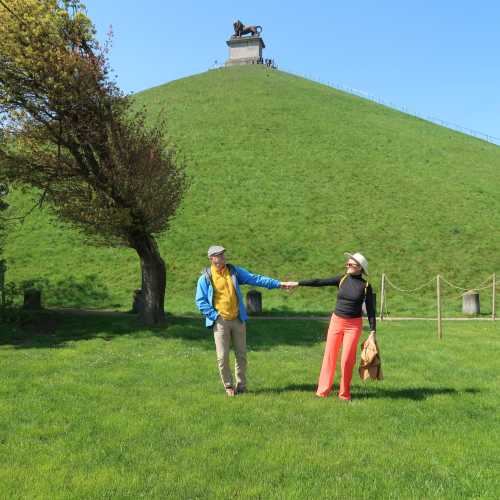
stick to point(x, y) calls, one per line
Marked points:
point(438, 58)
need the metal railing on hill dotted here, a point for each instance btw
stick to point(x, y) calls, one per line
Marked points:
point(404, 109)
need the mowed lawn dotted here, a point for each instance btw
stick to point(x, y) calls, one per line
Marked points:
point(98, 407)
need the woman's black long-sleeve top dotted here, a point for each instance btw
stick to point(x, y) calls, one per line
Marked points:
point(350, 297)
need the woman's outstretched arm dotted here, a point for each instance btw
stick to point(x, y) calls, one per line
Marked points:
point(334, 281)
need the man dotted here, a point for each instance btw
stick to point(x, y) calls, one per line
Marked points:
point(220, 300)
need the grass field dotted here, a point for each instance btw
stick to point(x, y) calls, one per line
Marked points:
point(289, 174)
point(97, 407)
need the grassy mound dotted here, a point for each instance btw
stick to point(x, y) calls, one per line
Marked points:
point(288, 174)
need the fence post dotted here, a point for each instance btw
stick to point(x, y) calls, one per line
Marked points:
point(382, 297)
point(438, 294)
point(493, 299)
point(3, 268)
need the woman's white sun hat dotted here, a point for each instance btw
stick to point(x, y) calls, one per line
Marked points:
point(360, 259)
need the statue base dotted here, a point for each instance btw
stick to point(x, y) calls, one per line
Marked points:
point(245, 50)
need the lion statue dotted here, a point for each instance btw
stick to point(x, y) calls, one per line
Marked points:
point(240, 29)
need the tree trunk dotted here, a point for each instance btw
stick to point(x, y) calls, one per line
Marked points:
point(153, 280)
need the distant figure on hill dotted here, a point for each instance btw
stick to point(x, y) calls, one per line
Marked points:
point(345, 324)
point(220, 300)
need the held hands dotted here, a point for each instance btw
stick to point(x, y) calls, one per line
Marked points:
point(289, 285)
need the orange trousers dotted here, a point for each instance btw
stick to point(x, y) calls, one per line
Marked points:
point(345, 332)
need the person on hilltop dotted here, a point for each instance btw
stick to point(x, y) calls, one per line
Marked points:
point(345, 324)
point(219, 298)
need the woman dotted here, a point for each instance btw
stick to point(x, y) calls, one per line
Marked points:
point(346, 323)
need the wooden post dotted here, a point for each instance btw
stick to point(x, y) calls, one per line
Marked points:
point(3, 268)
point(438, 294)
point(382, 297)
point(493, 299)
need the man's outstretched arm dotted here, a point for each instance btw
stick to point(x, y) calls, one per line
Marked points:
point(247, 278)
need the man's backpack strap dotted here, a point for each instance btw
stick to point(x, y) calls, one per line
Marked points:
point(207, 271)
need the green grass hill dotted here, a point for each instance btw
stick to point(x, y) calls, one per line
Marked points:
point(288, 174)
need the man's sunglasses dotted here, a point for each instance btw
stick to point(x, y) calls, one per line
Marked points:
point(350, 264)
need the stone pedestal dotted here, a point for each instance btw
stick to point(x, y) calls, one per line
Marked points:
point(245, 50)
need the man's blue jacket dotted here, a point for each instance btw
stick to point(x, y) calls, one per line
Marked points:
point(205, 291)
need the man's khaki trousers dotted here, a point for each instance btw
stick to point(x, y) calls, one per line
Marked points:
point(226, 331)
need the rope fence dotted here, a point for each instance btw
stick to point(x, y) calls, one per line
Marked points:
point(470, 297)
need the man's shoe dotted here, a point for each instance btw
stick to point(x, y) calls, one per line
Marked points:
point(230, 391)
point(240, 390)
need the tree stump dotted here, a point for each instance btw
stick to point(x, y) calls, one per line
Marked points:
point(32, 299)
point(470, 303)
point(254, 302)
point(374, 303)
point(138, 305)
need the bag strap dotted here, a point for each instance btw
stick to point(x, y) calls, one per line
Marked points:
point(207, 272)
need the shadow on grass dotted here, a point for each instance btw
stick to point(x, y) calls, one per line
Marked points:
point(48, 328)
point(287, 388)
point(413, 393)
point(72, 291)
point(262, 335)
point(51, 329)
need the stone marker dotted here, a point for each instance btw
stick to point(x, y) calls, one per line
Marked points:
point(32, 299)
point(254, 302)
point(138, 305)
point(470, 302)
